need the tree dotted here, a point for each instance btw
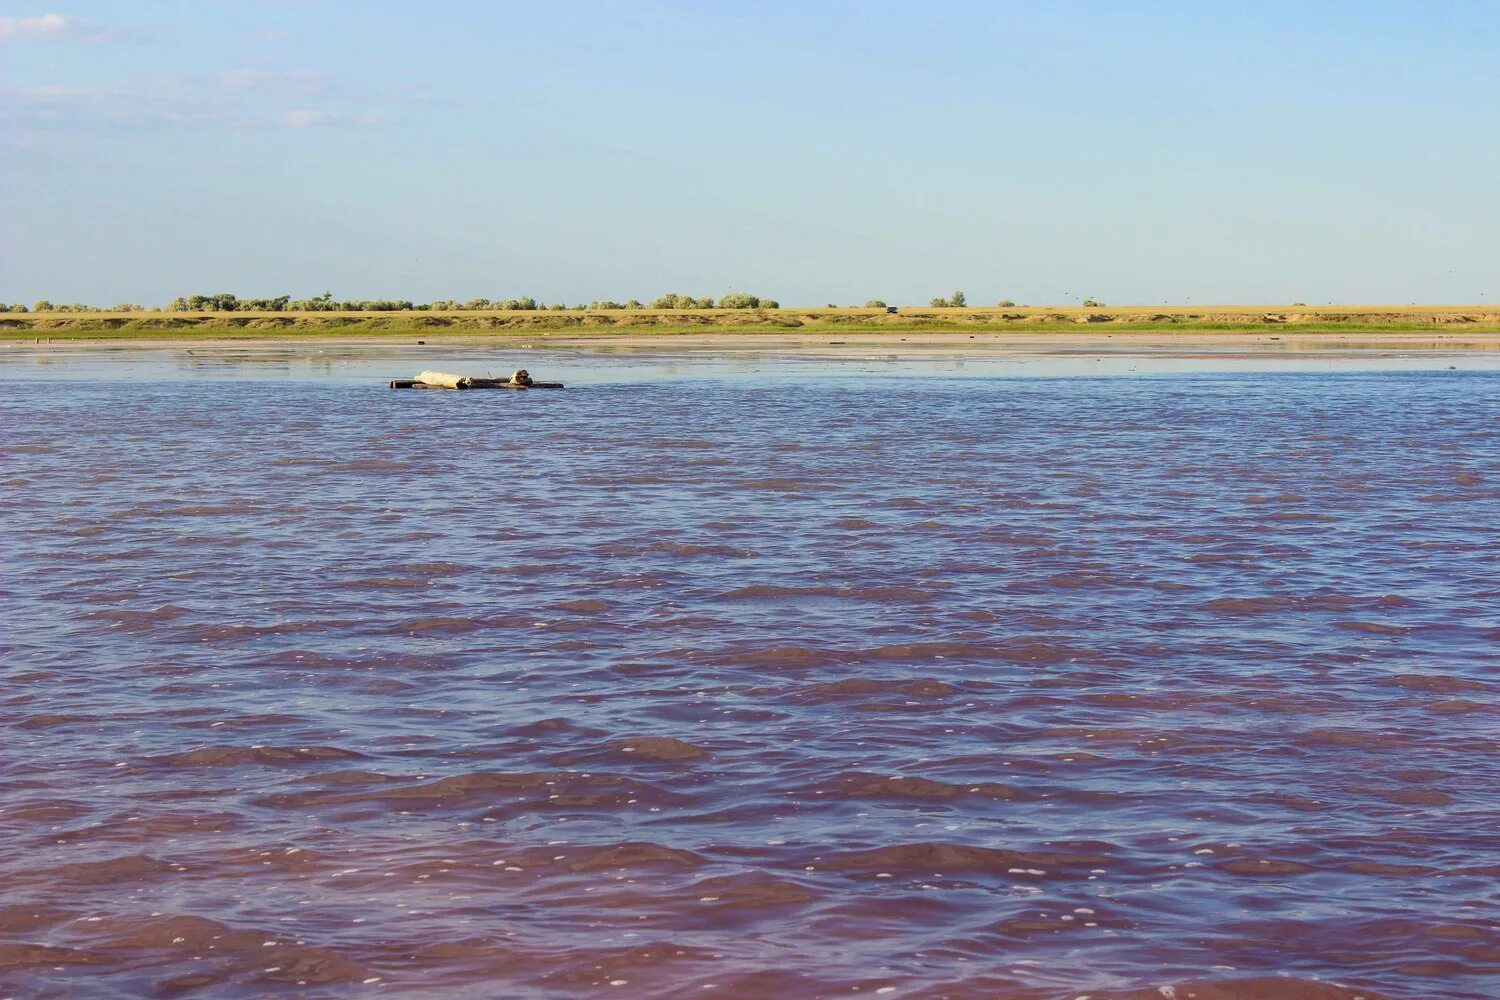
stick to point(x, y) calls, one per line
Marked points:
point(739, 300)
point(1005, 303)
point(1093, 304)
point(957, 300)
point(875, 304)
point(42, 306)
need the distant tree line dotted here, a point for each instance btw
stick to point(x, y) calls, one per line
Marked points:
point(43, 306)
point(228, 302)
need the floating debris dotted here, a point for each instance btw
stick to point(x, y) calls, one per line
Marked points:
point(520, 379)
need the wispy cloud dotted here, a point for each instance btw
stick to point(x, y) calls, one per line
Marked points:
point(309, 118)
point(53, 28)
point(235, 99)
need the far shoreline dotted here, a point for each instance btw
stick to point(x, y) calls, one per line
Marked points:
point(1057, 342)
point(1036, 325)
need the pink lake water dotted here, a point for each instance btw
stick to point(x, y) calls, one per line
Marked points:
point(743, 677)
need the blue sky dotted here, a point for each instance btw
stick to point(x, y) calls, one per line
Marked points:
point(1133, 152)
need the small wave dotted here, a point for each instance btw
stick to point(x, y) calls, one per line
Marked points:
point(1035, 652)
point(51, 721)
point(1264, 988)
point(1265, 867)
point(754, 890)
point(1435, 682)
point(130, 868)
point(437, 626)
point(20, 956)
point(914, 688)
point(584, 606)
point(857, 524)
point(162, 613)
point(664, 748)
point(779, 657)
point(225, 756)
point(628, 855)
point(1373, 628)
point(938, 857)
point(862, 785)
point(771, 592)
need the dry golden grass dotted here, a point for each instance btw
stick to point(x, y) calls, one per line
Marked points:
point(1017, 319)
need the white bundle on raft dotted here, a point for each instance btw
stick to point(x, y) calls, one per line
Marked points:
point(520, 379)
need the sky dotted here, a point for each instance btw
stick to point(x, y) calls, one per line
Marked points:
point(814, 152)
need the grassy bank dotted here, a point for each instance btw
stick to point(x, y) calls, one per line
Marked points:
point(636, 322)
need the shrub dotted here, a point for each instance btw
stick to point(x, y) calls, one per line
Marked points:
point(126, 307)
point(1093, 304)
point(1005, 303)
point(319, 303)
point(938, 303)
point(607, 304)
point(875, 304)
point(672, 300)
point(739, 300)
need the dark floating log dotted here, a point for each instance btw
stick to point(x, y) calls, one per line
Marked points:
point(521, 380)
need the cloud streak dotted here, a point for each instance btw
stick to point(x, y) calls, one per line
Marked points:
point(44, 28)
point(234, 99)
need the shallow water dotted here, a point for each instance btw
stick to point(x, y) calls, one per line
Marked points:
point(740, 678)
